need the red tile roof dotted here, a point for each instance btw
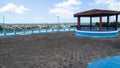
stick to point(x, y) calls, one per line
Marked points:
point(96, 13)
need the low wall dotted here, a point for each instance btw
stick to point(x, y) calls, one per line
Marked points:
point(6, 33)
point(97, 34)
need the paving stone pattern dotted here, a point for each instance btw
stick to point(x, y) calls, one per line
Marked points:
point(55, 50)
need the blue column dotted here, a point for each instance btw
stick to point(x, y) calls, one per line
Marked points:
point(39, 30)
point(69, 29)
point(74, 28)
point(58, 29)
point(15, 32)
point(52, 29)
point(32, 31)
point(46, 30)
point(5, 33)
point(24, 31)
point(64, 29)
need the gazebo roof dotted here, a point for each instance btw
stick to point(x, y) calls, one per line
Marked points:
point(96, 13)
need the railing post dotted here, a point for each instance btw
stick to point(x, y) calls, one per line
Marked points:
point(52, 29)
point(39, 30)
point(15, 32)
point(74, 28)
point(5, 33)
point(46, 30)
point(69, 28)
point(32, 31)
point(64, 29)
point(58, 29)
point(23, 31)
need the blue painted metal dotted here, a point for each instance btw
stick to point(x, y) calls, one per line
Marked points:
point(97, 34)
point(111, 62)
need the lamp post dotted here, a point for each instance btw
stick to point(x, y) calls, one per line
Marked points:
point(3, 22)
point(58, 21)
point(4, 26)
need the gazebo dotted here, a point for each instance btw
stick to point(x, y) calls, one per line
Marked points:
point(97, 13)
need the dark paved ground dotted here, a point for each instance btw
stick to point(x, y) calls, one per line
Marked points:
point(55, 50)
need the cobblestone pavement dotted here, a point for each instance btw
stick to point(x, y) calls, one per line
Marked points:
point(55, 50)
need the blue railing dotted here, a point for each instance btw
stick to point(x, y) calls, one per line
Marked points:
point(6, 33)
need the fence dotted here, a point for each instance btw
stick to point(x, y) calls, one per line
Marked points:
point(6, 33)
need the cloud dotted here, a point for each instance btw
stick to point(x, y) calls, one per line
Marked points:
point(32, 18)
point(111, 4)
point(66, 9)
point(11, 8)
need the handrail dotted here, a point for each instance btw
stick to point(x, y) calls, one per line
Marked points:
point(6, 33)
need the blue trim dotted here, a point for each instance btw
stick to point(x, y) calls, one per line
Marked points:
point(97, 34)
